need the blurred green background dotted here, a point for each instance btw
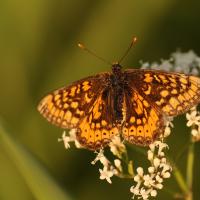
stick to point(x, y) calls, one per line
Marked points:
point(38, 53)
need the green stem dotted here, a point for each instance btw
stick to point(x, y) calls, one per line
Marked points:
point(190, 163)
point(127, 176)
point(189, 173)
point(180, 180)
point(129, 164)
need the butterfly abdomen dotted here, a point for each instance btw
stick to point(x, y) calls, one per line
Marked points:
point(118, 102)
point(117, 82)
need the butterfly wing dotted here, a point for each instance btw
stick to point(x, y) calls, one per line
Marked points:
point(86, 105)
point(67, 106)
point(142, 121)
point(152, 95)
point(171, 93)
point(98, 127)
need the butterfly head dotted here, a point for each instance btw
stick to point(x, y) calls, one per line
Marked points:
point(116, 68)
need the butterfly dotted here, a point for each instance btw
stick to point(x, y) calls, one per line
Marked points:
point(133, 103)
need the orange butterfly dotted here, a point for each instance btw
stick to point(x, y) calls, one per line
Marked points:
point(133, 103)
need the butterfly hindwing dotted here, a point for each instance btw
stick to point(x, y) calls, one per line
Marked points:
point(98, 127)
point(142, 122)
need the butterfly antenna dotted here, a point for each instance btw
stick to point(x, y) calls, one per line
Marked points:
point(134, 40)
point(80, 45)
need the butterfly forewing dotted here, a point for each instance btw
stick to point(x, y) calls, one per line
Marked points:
point(67, 106)
point(171, 93)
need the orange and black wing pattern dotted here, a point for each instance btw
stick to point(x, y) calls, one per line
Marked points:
point(67, 106)
point(171, 93)
point(137, 105)
point(97, 127)
point(85, 105)
point(151, 97)
point(142, 121)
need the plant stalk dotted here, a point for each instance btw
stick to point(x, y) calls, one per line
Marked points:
point(189, 172)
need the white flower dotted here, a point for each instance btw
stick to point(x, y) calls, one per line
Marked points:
point(150, 155)
point(116, 146)
point(72, 134)
point(152, 147)
point(137, 178)
point(161, 146)
point(168, 126)
point(153, 193)
point(109, 170)
point(148, 180)
point(151, 170)
point(100, 157)
point(140, 171)
point(194, 121)
point(159, 179)
point(144, 193)
point(65, 139)
point(194, 132)
point(118, 165)
point(166, 65)
point(144, 65)
point(70, 138)
point(193, 118)
point(185, 62)
point(195, 71)
point(106, 174)
point(159, 186)
point(166, 175)
point(167, 131)
point(135, 190)
point(154, 65)
point(156, 162)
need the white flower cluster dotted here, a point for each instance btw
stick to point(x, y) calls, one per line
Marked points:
point(188, 63)
point(114, 167)
point(108, 170)
point(193, 121)
point(116, 147)
point(70, 138)
point(148, 184)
